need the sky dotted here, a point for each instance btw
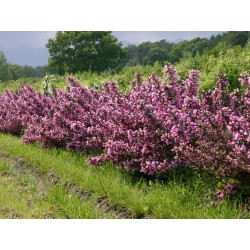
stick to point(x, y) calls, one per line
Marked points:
point(28, 47)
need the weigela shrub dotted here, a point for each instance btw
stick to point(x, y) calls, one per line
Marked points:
point(156, 126)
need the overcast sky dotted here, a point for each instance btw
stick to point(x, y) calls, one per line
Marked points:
point(28, 47)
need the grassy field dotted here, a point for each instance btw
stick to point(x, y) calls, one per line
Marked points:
point(28, 194)
point(38, 183)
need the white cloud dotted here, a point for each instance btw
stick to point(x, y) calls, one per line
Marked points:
point(33, 39)
point(171, 36)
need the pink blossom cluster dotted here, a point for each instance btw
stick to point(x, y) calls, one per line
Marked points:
point(227, 190)
point(220, 141)
point(9, 120)
point(156, 126)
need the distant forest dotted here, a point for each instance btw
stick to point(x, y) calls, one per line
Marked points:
point(146, 53)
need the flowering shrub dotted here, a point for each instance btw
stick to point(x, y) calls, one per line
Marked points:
point(68, 119)
point(9, 120)
point(157, 126)
point(220, 141)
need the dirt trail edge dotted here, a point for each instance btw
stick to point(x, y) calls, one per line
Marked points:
point(51, 179)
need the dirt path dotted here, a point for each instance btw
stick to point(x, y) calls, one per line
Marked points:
point(50, 179)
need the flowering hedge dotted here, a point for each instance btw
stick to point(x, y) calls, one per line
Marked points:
point(155, 127)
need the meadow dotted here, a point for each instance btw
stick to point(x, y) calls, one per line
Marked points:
point(153, 147)
point(55, 183)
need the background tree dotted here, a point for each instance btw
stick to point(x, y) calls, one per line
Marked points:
point(155, 54)
point(16, 71)
point(4, 68)
point(192, 46)
point(237, 37)
point(132, 56)
point(79, 51)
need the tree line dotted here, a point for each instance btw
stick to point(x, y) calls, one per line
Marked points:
point(10, 71)
point(147, 53)
point(80, 51)
point(97, 51)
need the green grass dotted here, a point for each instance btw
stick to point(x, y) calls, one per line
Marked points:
point(180, 196)
point(26, 195)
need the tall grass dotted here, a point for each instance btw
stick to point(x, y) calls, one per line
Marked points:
point(25, 195)
point(175, 197)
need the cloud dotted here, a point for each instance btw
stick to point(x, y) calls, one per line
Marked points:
point(26, 55)
point(136, 37)
point(33, 39)
point(26, 47)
